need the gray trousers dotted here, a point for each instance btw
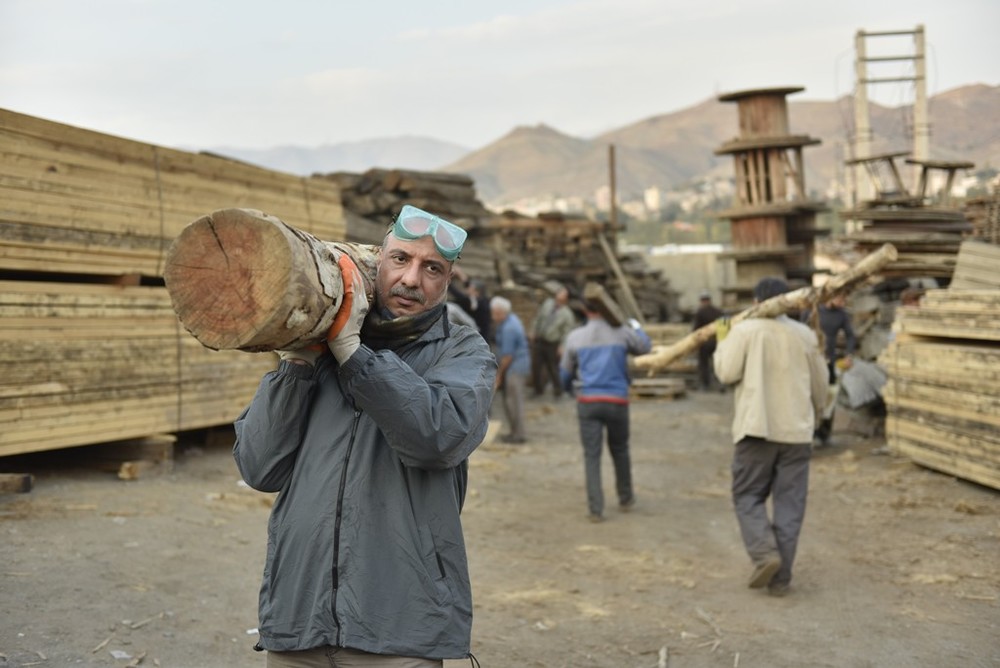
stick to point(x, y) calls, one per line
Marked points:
point(512, 392)
point(594, 419)
point(779, 470)
point(339, 657)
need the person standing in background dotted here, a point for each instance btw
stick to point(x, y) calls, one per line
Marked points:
point(552, 323)
point(594, 368)
point(780, 380)
point(514, 364)
point(707, 313)
point(472, 297)
point(832, 319)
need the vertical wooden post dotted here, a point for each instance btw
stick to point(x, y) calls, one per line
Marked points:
point(613, 215)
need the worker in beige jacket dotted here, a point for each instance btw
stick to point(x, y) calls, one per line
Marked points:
point(780, 378)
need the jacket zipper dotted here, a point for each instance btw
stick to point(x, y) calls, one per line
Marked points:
point(337, 520)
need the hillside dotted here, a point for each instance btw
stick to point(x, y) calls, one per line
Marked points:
point(419, 153)
point(670, 149)
point(667, 151)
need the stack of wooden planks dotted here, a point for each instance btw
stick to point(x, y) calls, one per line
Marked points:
point(574, 251)
point(984, 214)
point(978, 266)
point(943, 392)
point(90, 347)
point(372, 199)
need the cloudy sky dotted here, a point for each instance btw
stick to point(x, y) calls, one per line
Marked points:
point(260, 73)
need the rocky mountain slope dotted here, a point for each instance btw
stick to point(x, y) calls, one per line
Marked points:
point(667, 151)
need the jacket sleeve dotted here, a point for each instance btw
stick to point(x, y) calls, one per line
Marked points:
point(270, 429)
point(639, 342)
point(730, 357)
point(432, 420)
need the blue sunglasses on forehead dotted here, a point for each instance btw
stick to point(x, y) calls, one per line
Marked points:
point(413, 223)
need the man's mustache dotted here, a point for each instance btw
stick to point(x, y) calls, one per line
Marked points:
point(408, 293)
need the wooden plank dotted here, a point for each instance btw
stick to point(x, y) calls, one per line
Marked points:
point(978, 265)
point(894, 398)
point(926, 455)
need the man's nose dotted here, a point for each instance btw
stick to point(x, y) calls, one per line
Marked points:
point(411, 275)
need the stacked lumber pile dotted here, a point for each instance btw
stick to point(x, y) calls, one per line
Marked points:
point(514, 255)
point(978, 266)
point(371, 200)
point(984, 214)
point(379, 194)
point(90, 347)
point(574, 252)
point(943, 392)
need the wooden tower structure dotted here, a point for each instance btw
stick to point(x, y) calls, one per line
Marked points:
point(773, 222)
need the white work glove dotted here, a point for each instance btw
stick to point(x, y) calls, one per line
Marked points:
point(307, 355)
point(345, 332)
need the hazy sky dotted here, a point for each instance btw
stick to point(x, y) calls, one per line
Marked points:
point(254, 74)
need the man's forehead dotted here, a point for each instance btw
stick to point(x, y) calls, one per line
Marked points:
point(422, 249)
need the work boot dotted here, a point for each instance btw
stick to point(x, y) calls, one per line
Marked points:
point(763, 572)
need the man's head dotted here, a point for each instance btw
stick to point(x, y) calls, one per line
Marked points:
point(562, 296)
point(591, 309)
point(769, 287)
point(416, 260)
point(839, 300)
point(705, 297)
point(499, 309)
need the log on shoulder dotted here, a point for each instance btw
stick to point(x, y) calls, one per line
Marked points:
point(241, 279)
point(663, 356)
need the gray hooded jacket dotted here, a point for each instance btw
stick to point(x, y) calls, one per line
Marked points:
point(365, 547)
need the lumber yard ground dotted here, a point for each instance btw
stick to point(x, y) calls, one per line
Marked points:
point(898, 565)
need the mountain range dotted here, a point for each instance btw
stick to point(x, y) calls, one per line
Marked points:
point(668, 151)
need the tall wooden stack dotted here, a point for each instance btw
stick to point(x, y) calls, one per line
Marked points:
point(927, 230)
point(772, 221)
point(90, 347)
point(943, 392)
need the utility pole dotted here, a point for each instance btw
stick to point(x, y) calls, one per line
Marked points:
point(613, 213)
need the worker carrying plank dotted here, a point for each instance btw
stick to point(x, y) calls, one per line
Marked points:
point(781, 378)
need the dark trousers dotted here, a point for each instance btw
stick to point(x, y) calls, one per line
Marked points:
point(594, 418)
point(706, 374)
point(545, 366)
point(779, 470)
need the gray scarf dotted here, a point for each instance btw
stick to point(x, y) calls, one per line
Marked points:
point(381, 331)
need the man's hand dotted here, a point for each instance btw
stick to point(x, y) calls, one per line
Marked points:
point(345, 332)
point(302, 356)
point(722, 327)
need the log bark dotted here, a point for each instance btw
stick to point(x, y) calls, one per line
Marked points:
point(662, 357)
point(240, 279)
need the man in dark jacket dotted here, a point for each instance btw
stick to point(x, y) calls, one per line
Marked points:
point(474, 300)
point(707, 313)
point(832, 320)
point(367, 442)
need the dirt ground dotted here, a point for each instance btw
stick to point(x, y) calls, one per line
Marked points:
point(897, 565)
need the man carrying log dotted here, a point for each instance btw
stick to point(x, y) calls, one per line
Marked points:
point(367, 439)
point(781, 379)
